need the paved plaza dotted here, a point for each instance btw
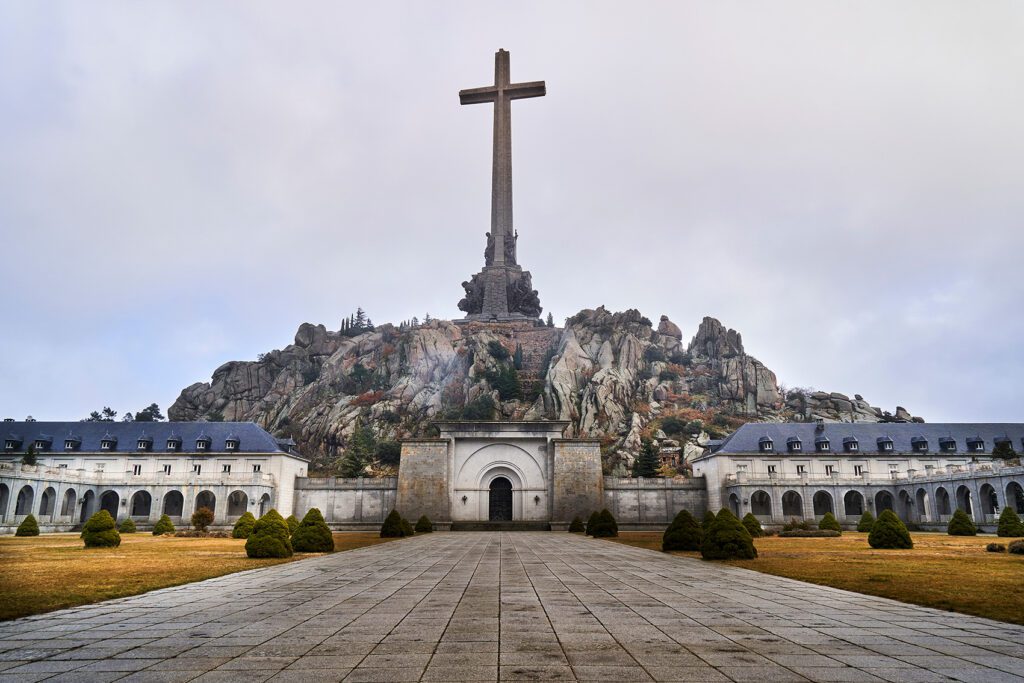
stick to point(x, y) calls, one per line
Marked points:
point(508, 606)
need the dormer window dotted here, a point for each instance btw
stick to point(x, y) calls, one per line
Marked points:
point(947, 444)
point(12, 443)
point(145, 443)
point(976, 444)
point(108, 442)
point(794, 445)
point(885, 444)
point(203, 443)
point(919, 444)
point(766, 444)
point(822, 445)
point(850, 444)
point(43, 443)
point(174, 444)
point(72, 443)
point(231, 443)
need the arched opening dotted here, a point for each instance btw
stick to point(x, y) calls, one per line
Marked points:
point(792, 505)
point(883, 502)
point(906, 506)
point(141, 504)
point(5, 499)
point(67, 508)
point(174, 504)
point(237, 503)
point(88, 506)
point(923, 512)
point(942, 502)
point(109, 501)
point(206, 499)
point(1014, 497)
point(264, 504)
point(964, 502)
point(499, 506)
point(48, 503)
point(822, 503)
point(26, 496)
point(989, 501)
point(734, 504)
point(761, 504)
point(853, 504)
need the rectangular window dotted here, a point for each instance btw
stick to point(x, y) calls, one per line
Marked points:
point(858, 470)
point(771, 470)
point(197, 468)
point(100, 466)
point(64, 466)
point(829, 469)
point(887, 445)
point(800, 469)
point(136, 470)
point(256, 468)
point(226, 469)
point(167, 469)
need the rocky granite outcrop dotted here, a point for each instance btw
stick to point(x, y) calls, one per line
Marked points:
point(612, 375)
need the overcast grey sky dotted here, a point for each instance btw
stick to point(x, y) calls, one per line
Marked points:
point(183, 184)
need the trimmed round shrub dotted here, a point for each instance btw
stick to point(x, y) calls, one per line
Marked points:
point(243, 525)
point(727, 539)
point(293, 523)
point(163, 526)
point(1016, 547)
point(392, 527)
point(961, 525)
point(606, 526)
point(101, 531)
point(1009, 523)
point(709, 519)
point(407, 529)
point(592, 522)
point(995, 548)
point(752, 525)
point(424, 525)
point(795, 524)
point(313, 534)
point(867, 521)
point(576, 525)
point(127, 526)
point(829, 523)
point(269, 537)
point(889, 533)
point(683, 533)
point(28, 527)
point(202, 518)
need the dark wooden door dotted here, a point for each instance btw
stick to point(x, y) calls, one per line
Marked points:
point(500, 509)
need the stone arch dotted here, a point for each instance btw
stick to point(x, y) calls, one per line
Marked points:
point(109, 502)
point(964, 500)
point(483, 461)
point(853, 504)
point(822, 502)
point(48, 503)
point(884, 501)
point(141, 504)
point(923, 506)
point(942, 505)
point(988, 499)
point(26, 496)
point(906, 506)
point(206, 499)
point(174, 504)
point(792, 505)
point(517, 482)
point(88, 505)
point(238, 502)
point(761, 504)
point(499, 500)
point(67, 508)
point(734, 504)
point(1015, 497)
point(264, 504)
point(5, 499)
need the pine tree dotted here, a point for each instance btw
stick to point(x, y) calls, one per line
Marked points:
point(592, 522)
point(829, 523)
point(727, 539)
point(243, 525)
point(517, 358)
point(961, 525)
point(392, 527)
point(647, 463)
point(30, 455)
point(293, 523)
point(101, 531)
point(313, 535)
point(551, 320)
point(270, 537)
point(28, 527)
point(1009, 523)
point(163, 526)
point(867, 521)
point(427, 318)
point(415, 321)
point(360, 321)
point(752, 525)
point(709, 519)
point(888, 532)
point(127, 526)
point(684, 533)
point(359, 452)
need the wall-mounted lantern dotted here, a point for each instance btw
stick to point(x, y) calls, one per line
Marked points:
point(464, 499)
point(536, 500)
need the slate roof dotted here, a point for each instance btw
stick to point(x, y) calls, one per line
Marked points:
point(251, 437)
point(746, 438)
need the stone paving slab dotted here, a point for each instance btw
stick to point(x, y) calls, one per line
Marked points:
point(506, 606)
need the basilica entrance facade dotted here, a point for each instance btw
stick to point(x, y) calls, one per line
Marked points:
point(499, 505)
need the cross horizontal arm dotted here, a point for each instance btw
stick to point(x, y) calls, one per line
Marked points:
point(518, 91)
point(478, 95)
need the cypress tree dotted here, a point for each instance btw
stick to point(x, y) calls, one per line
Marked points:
point(889, 532)
point(1009, 523)
point(392, 527)
point(829, 523)
point(424, 525)
point(592, 522)
point(606, 526)
point(243, 525)
point(269, 537)
point(407, 529)
point(293, 523)
point(576, 525)
point(28, 527)
point(867, 521)
point(684, 533)
point(752, 525)
point(313, 535)
point(727, 539)
point(127, 526)
point(961, 525)
point(647, 463)
point(163, 526)
point(709, 519)
point(101, 531)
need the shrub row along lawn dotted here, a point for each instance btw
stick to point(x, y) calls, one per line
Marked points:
point(54, 571)
point(946, 572)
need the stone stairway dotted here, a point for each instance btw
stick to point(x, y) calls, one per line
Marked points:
point(501, 526)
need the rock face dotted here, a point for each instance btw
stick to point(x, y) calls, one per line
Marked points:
point(612, 375)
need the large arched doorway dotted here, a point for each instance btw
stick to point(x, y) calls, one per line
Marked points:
point(141, 504)
point(923, 506)
point(989, 501)
point(48, 503)
point(734, 504)
point(822, 503)
point(174, 504)
point(109, 501)
point(761, 504)
point(68, 507)
point(88, 506)
point(884, 501)
point(792, 505)
point(26, 496)
point(853, 504)
point(942, 505)
point(5, 499)
point(907, 506)
point(264, 504)
point(499, 508)
point(207, 500)
point(964, 502)
point(237, 503)
point(1014, 497)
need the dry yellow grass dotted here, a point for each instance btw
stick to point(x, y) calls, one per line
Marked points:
point(946, 572)
point(54, 571)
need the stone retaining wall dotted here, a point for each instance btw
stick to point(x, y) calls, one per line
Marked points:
point(643, 504)
point(347, 504)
